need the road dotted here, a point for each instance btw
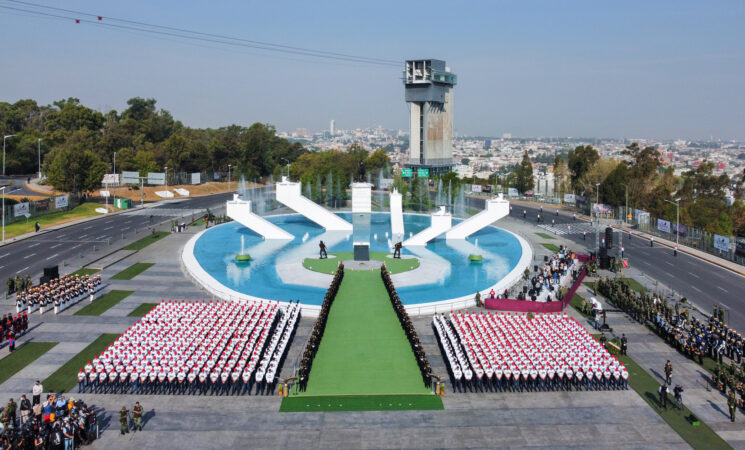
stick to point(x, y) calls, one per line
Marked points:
point(94, 238)
point(703, 283)
point(16, 186)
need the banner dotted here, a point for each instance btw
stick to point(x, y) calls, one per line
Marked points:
point(110, 178)
point(42, 205)
point(20, 209)
point(157, 178)
point(740, 248)
point(721, 242)
point(512, 192)
point(130, 177)
point(580, 198)
point(570, 198)
point(476, 188)
point(663, 225)
point(601, 208)
point(683, 232)
point(61, 201)
point(196, 178)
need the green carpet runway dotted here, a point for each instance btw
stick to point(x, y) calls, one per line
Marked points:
point(364, 361)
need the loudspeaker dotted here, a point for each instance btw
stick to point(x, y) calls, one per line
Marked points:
point(545, 258)
point(535, 268)
point(603, 260)
point(51, 272)
point(525, 289)
point(609, 237)
point(44, 280)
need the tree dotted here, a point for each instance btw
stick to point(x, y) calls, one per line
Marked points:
point(524, 174)
point(580, 161)
point(377, 161)
point(561, 176)
point(74, 169)
point(145, 162)
point(465, 161)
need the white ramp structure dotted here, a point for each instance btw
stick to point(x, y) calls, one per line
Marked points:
point(240, 211)
point(288, 193)
point(441, 222)
point(397, 216)
point(496, 208)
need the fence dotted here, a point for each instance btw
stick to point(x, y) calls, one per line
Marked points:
point(503, 304)
point(36, 209)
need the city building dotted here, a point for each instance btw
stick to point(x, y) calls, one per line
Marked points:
point(331, 127)
point(428, 86)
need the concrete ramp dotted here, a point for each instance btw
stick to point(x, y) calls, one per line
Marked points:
point(496, 208)
point(240, 211)
point(288, 193)
point(397, 216)
point(441, 222)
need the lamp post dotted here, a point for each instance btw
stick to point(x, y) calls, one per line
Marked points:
point(39, 141)
point(166, 178)
point(2, 189)
point(4, 138)
point(626, 210)
point(115, 177)
point(229, 165)
point(288, 167)
point(677, 222)
point(597, 219)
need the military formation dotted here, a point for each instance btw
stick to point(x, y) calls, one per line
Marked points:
point(316, 334)
point(411, 335)
point(12, 327)
point(59, 292)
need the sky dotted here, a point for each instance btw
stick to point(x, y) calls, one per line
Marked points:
point(633, 69)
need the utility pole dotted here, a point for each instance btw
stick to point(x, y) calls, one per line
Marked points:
point(2, 189)
point(40, 158)
point(4, 138)
point(229, 177)
point(677, 221)
point(597, 219)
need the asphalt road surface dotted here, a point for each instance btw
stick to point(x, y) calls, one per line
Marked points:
point(703, 283)
point(16, 186)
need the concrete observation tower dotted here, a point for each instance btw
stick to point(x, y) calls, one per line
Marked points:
point(428, 85)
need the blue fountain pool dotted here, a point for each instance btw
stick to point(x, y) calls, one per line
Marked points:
point(216, 248)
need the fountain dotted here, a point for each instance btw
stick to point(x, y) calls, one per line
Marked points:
point(475, 257)
point(243, 256)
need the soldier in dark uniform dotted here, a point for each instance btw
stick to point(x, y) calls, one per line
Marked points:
point(137, 416)
point(624, 344)
point(322, 253)
point(731, 402)
point(123, 421)
point(397, 250)
point(668, 371)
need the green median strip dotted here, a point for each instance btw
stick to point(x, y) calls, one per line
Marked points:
point(22, 357)
point(329, 265)
point(85, 271)
point(147, 240)
point(132, 271)
point(545, 236)
point(361, 403)
point(143, 309)
point(681, 421)
point(550, 247)
point(65, 378)
point(103, 303)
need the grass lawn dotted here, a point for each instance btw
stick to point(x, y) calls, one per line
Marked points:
point(55, 218)
point(132, 271)
point(22, 357)
point(576, 302)
point(103, 303)
point(85, 271)
point(329, 265)
point(147, 240)
point(65, 378)
point(364, 350)
point(143, 309)
point(550, 247)
point(545, 236)
point(361, 403)
point(646, 386)
point(197, 222)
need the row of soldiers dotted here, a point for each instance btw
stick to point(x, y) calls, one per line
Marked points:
point(18, 283)
point(731, 378)
point(403, 317)
point(224, 383)
point(317, 333)
point(13, 326)
point(58, 291)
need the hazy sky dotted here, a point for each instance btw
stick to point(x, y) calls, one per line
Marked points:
point(653, 69)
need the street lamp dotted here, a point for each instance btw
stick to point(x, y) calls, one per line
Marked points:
point(229, 165)
point(597, 219)
point(288, 167)
point(626, 210)
point(39, 140)
point(4, 138)
point(166, 178)
point(2, 189)
point(677, 222)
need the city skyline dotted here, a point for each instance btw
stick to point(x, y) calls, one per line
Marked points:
point(659, 71)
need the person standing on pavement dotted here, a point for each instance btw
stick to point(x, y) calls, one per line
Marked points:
point(137, 416)
point(25, 408)
point(624, 344)
point(36, 392)
point(123, 421)
point(732, 403)
point(668, 372)
point(663, 395)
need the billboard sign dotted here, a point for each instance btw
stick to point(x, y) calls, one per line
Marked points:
point(680, 229)
point(61, 202)
point(42, 205)
point(20, 209)
point(130, 178)
point(570, 198)
point(196, 178)
point(512, 192)
point(422, 173)
point(110, 178)
point(476, 188)
point(721, 243)
point(663, 225)
point(157, 178)
point(740, 248)
point(407, 173)
point(601, 208)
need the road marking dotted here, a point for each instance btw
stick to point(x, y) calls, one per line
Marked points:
point(669, 263)
point(32, 246)
point(3, 256)
point(670, 275)
point(644, 262)
point(88, 228)
point(1, 267)
point(693, 275)
point(125, 229)
point(24, 269)
point(102, 237)
point(83, 236)
point(76, 246)
point(55, 246)
point(53, 256)
point(61, 236)
point(107, 228)
point(694, 287)
point(28, 256)
point(725, 290)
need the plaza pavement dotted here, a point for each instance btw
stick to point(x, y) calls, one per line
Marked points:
point(610, 419)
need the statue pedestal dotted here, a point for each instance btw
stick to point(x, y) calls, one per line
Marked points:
point(362, 252)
